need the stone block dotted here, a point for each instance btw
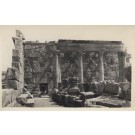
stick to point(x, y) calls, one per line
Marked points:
point(36, 69)
point(29, 80)
point(81, 87)
point(6, 97)
point(111, 88)
point(111, 103)
point(27, 47)
point(71, 100)
point(108, 87)
point(12, 74)
point(87, 95)
point(94, 86)
point(16, 65)
point(78, 103)
point(42, 80)
point(115, 89)
point(32, 86)
point(22, 99)
point(125, 92)
point(15, 94)
point(27, 69)
point(86, 87)
point(36, 74)
point(30, 102)
point(33, 53)
point(101, 87)
point(15, 52)
point(12, 84)
point(15, 59)
point(26, 53)
point(27, 75)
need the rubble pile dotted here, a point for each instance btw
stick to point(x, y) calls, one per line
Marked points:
point(97, 94)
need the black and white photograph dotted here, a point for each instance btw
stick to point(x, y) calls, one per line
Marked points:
point(67, 66)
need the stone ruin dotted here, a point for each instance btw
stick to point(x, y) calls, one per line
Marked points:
point(99, 66)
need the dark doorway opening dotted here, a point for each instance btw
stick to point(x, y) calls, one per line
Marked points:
point(44, 88)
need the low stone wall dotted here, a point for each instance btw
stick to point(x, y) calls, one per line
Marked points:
point(9, 96)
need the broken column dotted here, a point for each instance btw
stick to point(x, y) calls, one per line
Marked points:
point(101, 67)
point(122, 65)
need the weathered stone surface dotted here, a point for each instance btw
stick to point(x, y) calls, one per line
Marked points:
point(15, 58)
point(31, 53)
point(16, 65)
point(15, 94)
point(107, 87)
point(107, 101)
point(15, 52)
point(12, 84)
point(32, 86)
point(111, 103)
point(87, 95)
point(80, 86)
point(22, 99)
point(78, 103)
point(12, 74)
point(27, 75)
point(27, 69)
point(42, 80)
point(125, 92)
point(8, 96)
point(36, 69)
point(26, 52)
point(98, 87)
point(101, 87)
point(27, 46)
point(115, 89)
point(111, 87)
point(29, 80)
point(30, 102)
point(17, 42)
point(36, 74)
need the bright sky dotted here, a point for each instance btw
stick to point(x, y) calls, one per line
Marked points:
point(126, 34)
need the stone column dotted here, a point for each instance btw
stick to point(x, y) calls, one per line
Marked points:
point(80, 60)
point(122, 65)
point(101, 67)
point(57, 71)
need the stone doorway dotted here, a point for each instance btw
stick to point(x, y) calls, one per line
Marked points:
point(44, 88)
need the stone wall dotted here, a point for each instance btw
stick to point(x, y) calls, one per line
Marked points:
point(38, 64)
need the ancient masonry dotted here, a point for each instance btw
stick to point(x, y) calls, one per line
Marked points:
point(48, 63)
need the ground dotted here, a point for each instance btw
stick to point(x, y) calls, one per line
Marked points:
point(45, 102)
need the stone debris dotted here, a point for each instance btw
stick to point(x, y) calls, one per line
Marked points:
point(125, 92)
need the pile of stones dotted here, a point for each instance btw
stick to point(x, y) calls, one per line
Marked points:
point(105, 93)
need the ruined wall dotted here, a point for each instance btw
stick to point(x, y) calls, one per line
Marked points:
point(14, 80)
point(38, 64)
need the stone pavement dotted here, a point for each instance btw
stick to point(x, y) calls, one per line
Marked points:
point(45, 102)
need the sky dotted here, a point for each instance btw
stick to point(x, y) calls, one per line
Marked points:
point(43, 33)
